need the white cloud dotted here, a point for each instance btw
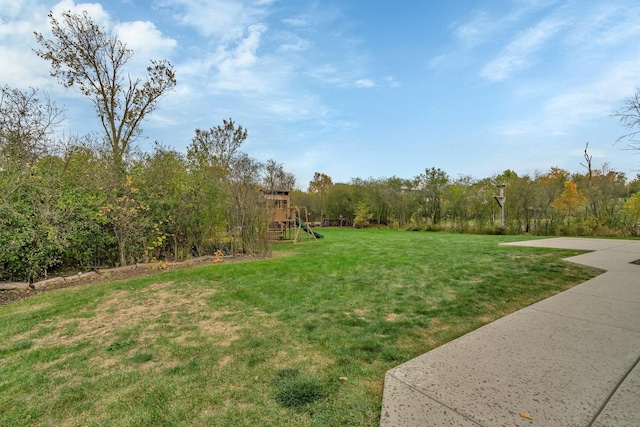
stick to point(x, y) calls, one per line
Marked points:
point(10, 8)
point(514, 129)
point(568, 112)
point(326, 73)
point(605, 25)
point(223, 19)
point(364, 83)
point(391, 81)
point(474, 31)
point(21, 68)
point(519, 53)
point(94, 10)
point(595, 100)
point(144, 39)
point(294, 43)
point(236, 68)
point(299, 21)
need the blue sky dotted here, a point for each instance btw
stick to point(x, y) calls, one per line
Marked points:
point(371, 88)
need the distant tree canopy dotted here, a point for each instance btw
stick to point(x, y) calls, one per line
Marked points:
point(552, 203)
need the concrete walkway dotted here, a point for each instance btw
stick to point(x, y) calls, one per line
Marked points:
point(570, 360)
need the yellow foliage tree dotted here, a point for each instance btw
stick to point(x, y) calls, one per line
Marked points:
point(570, 199)
point(632, 209)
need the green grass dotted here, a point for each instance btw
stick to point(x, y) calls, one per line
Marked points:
point(301, 339)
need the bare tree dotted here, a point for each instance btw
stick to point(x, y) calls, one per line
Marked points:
point(27, 121)
point(83, 54)
point(276, 178)
point(629, 116)
point(26, 126)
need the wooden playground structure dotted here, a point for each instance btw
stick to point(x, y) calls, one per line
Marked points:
point(288, 222)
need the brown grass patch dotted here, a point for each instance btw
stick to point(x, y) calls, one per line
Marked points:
point(126, 309)
point(391, 317)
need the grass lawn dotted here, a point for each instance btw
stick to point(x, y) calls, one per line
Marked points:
point(301, 339)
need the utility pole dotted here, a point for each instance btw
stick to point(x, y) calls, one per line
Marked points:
point(500, 199)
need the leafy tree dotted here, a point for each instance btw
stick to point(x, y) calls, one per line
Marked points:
point(218, 145)
point(632, 210)
point(432, 184)
point(127, 216)
point(633, 186)
point(30, 243)
point(84, 177)
point(320, 183)
point(458, 202)
point(233, 180)
point(570, 200)
point(247, 214)
point(318, 187)
point(363, 215)
point(401, 200)
point(164, 186)
point(83, 54)
point(481, 202)
point(339, 202)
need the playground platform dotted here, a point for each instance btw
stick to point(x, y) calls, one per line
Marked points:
point(569, 360)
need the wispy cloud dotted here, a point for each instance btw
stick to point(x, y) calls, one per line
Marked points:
point(237, 68)
point(391, 81)
point(364, 83)
point(298, 21)
point(564, 112)
point(520, 53)
point(224, 19)
point(293, 43)
point(605, 24)
point(594, 100)
point(474, 31)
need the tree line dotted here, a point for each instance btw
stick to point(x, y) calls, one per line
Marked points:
point(601, 202)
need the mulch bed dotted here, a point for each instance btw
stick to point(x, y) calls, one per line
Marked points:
point(102, 276)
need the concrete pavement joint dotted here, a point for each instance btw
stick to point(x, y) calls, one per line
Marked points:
point(577, 319)
point(613, 392)
point(435, 400)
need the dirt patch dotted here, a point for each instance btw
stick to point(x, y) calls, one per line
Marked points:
point(109, 275)
point(360, 313)
point(391, 317)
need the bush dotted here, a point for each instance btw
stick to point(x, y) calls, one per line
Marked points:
point(494, 230)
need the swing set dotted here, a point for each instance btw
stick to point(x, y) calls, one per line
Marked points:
point(288, 222)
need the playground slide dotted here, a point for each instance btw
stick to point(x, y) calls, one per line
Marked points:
point(305, 228)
